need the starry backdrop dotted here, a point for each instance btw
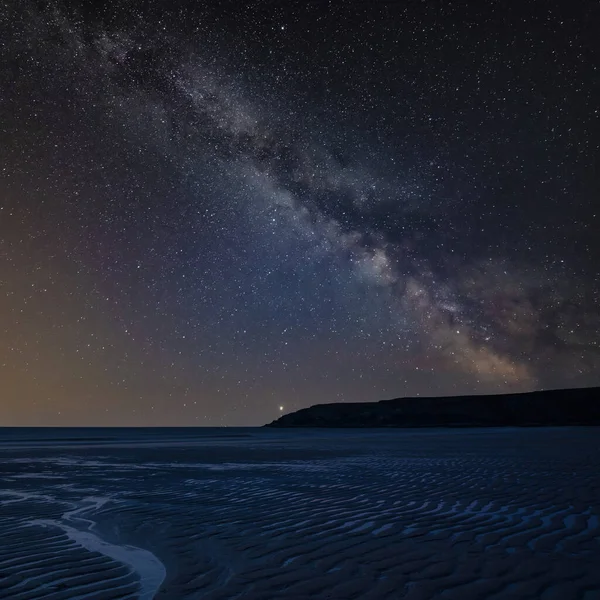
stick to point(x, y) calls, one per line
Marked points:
point(212, 212)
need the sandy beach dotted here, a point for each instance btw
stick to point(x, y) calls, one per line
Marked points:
point(264, 514)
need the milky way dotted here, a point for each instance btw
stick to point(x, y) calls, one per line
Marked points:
point(211, 213)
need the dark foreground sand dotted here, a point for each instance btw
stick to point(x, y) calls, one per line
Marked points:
point(295, 514)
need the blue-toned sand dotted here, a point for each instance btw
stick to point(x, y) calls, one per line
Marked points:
point(259, 513)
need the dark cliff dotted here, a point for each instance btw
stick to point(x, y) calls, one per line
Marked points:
point(552, 407)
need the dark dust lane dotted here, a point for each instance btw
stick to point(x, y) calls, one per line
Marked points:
point(302, 514)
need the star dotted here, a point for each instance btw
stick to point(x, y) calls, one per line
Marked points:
point(203, 213)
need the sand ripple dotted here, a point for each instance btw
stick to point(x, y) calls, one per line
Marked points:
point(479, 514)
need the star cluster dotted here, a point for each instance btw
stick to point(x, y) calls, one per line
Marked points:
point(211, 214)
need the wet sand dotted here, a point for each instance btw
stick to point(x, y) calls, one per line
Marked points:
point(255, 513)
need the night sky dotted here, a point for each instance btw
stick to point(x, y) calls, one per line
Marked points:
point(215, 212)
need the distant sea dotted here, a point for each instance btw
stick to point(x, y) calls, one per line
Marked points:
point(102, 435)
